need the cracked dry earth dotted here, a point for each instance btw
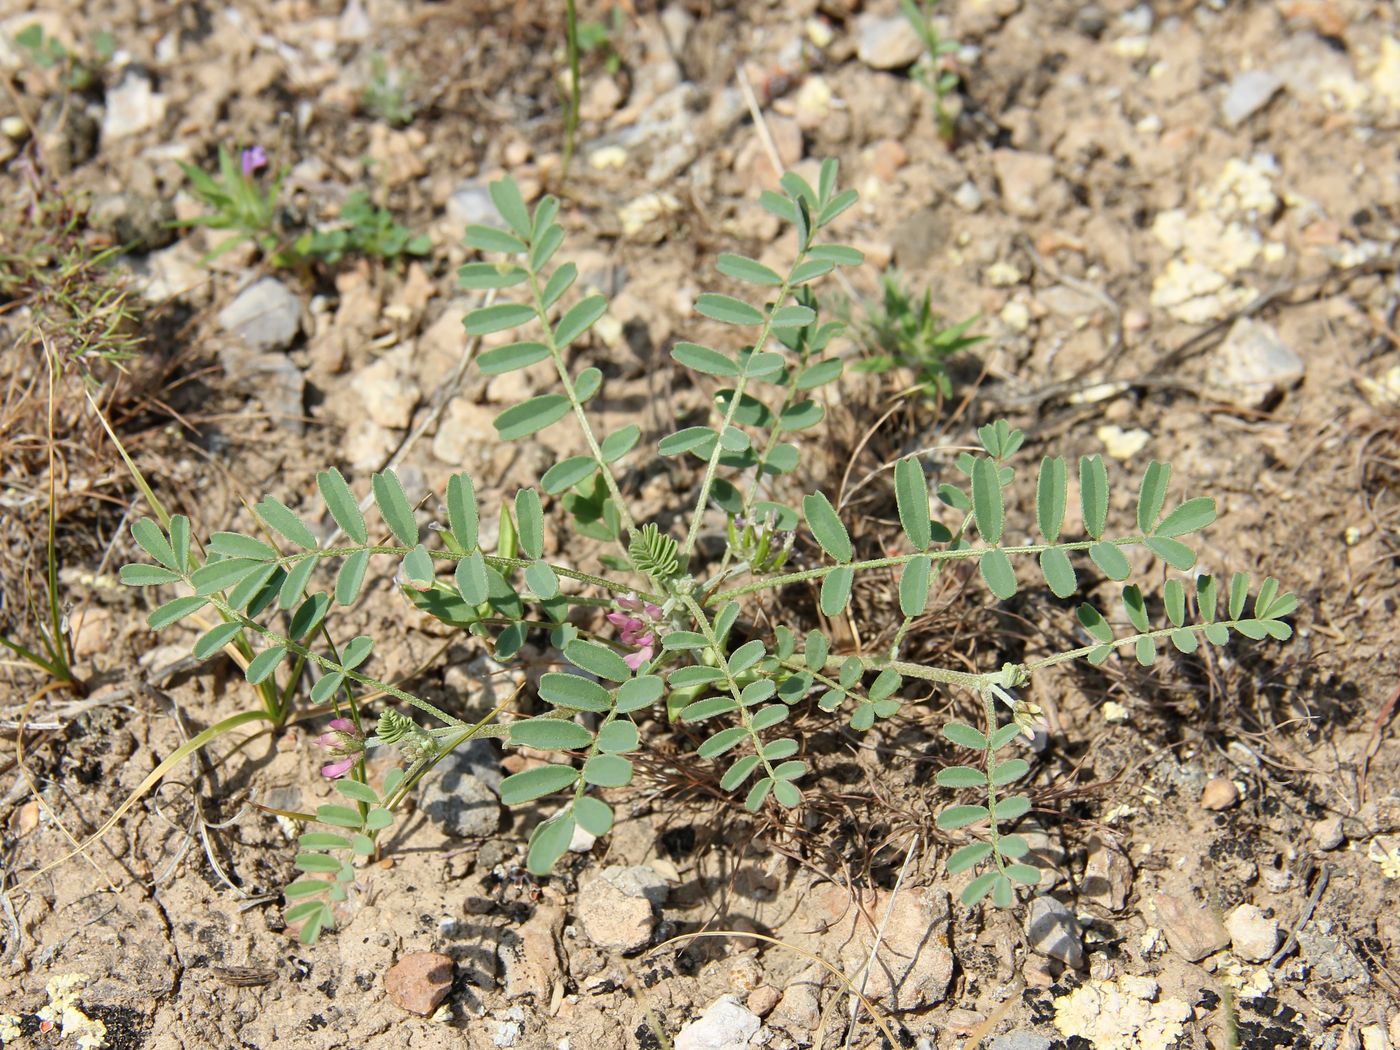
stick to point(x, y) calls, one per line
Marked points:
point(1178, 224)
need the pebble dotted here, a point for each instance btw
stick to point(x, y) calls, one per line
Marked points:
point(1108, 876)
point(1021, 177)
point(132, 107)
point(1120, 443)
point(387, 390)
point(967, 196)
point(1019, 1041)
point(617, 908)
point(420, 981)
point(470, 204)
point(1255, 364)
point(726, 1024)
point(1329, 833)
point(461, 794)
point(1248, 93)
point(1193, 932)
point(529, 955)
point(799, 1010)
point(887, 42)
point(1331, 958)
point(278, 383)
point(140, 224)
point(762, 1000)
point(1053, 931)
point(266, 315)
point(1219, 793)
point(1253, 934)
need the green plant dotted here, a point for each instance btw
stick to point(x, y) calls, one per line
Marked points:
point(597, 37)
point(899, 331)
point(78, 73)
point(930, 72)
point(386, 95)
point(240, 201)
point(680, 628)
point(367, 230)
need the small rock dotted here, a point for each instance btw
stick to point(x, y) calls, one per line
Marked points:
point(601, 99)
point(1120, 443)
point(887, 42)
point(914, 967)
point(388, 391)
point(812, 107)
point(1329, 833)
point(1108, 876)
point(967, 196)
point(132, 107)
point(725, 1025)
point(277, 382)
point(1249, 92)
point(920, 237)
point(67, 134)
point(1253, 935)
point(616, 909)
point(762, 1000)
point(266, 315)
point(139, 224)
point(1021, 177)
point(1255, 364)
point(1331, 958)
point(354, 23)
point(799, 1010)
point(1091, 20)
point(463, 806)
point(1019, 1041)
point(1052, 930)
point(420, 981)
point(470, 204)
point(1193, 931)
point(1219, 793)
point(529, 955)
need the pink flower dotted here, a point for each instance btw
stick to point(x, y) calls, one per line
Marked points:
point(637, 625)
point(343, 742)
point(254, 159)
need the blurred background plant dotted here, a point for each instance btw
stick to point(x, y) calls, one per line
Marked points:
point(901, 329)
point(240, 203)
point(76, 72)
point(931, 71)
point(366, 230)
point(387, 94)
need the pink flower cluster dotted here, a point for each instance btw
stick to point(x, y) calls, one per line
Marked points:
point(637, 621)
point(345, 743)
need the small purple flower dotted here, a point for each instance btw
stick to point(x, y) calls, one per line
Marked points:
point(343, 742)
point(638, 630)
point(254, 160)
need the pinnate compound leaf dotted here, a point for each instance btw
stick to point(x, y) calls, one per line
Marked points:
point(739, 772)
point(1093, 494)
point(961, 777)
point(1026, 874)
point(501, 359)
point(791, 317)
point(260, 668)
point(997, 572)
point(638, 693)
point(560, 281)
point(138, 575)
point(618, 737)
point(826, 527)
point(988, 509)
point(461, 510)
point(533, 415)
point(703, 359)
point(536, 783)
point(150, 539)
point(597, 659)
point(1009, 770)
point(480, 276)
point(836, 590)
point(1173, 552)
point(913, 587)
point(219, 575)
point(1093, 622)
point(955, 817)
point(727, 310)
point(497, 317)
point(607, 771)
point(548, 842)
point(1239, 593)
point(341, 502)
point(394, 507)
point(1059, 572)
point(286, 524)
point(978, 888)
point(1051, 494)
point(619, 443)
point(579, 318)
point(968, 857)
point(566, 474)
point(758, 794)
point(1191, 516)
point(911, 496)
point(692, 439)
point(741, 268)
point(1013, 807)
point(573, 691)
point(1109, 558)
point(593, 815)
point(471, 579)
point(529, 522)
point(505, 195)
point(351, 578)
point(213, 640)
point(490, 239)
point(1185, 641)
point(1152, 495)
point(550, 734)
point(965, 736)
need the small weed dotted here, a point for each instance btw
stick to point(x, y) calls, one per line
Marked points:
point(930, 71)
point(368, 230)
point(386, 96)
point(904, 331)
point(77, 72)
point(240, 201)
point(597, 38)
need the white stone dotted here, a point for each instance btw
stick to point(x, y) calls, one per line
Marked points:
point(388, 393)
point(887, 42)
point(726, 1024)
point(1052, 930)
point(266, 315)
point(1253, 935)
point(1248, 93)
point(1255, 364)
point(132, 107)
